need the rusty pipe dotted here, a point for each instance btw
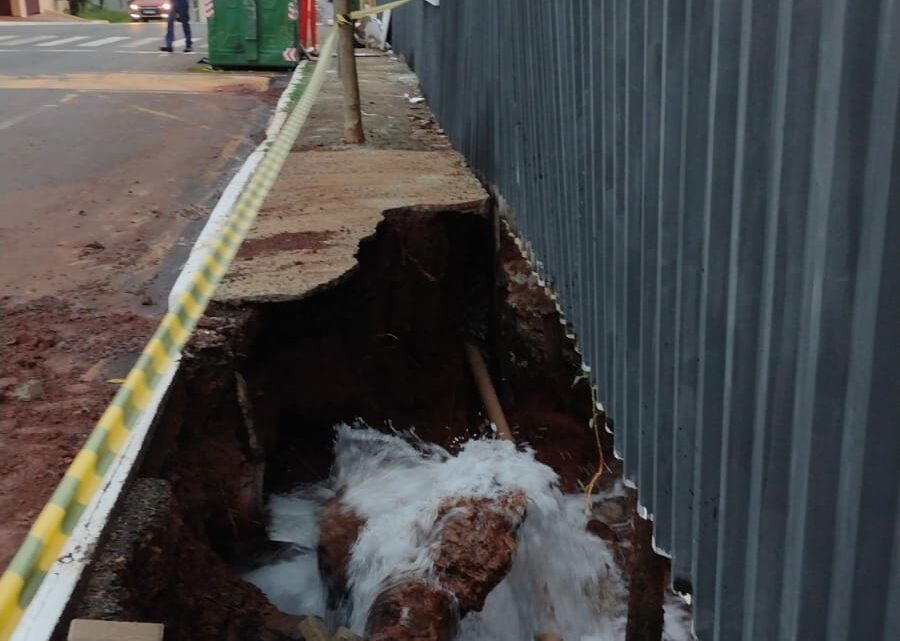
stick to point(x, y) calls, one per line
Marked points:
point(486, 389)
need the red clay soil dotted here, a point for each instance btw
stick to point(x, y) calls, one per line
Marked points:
point(475, 549)
point(338, 530)
point(71, 351)
point(477, 544)
point(413, 611)
point(544, 408)
point(254, 247)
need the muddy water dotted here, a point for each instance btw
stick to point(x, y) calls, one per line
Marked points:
point(562, 579)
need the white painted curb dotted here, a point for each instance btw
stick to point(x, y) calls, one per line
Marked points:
point(49, 603)
point(216, 221)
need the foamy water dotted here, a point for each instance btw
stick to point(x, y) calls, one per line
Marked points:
point(562, 578)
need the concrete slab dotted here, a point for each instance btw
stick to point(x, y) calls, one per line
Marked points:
point(91, 630)
point(325, 202)
point(329, 195)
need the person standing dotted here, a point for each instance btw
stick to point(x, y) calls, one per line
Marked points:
point(180, 11)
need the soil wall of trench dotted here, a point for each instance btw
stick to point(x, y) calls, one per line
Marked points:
point(262, 385)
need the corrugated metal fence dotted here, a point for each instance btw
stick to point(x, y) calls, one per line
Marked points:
point(712, 188)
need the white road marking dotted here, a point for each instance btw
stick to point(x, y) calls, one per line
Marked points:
point(12, 122)
point(25, 41)
point(104, 41)
point(142, 42)
point(155, 52)
point(6, 124)
point(181, 42)
point(54, 43)
point(6, 37)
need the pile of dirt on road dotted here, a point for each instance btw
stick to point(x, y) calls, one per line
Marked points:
point(56, 358)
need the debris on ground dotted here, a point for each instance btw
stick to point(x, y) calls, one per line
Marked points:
point(31, 390)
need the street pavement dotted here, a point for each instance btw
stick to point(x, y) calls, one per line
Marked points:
point(94, 118)
point(66, 47)
point(111, 157)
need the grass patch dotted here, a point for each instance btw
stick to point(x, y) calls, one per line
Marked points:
point(93, 12)
point(297, 91)
point(203, 68)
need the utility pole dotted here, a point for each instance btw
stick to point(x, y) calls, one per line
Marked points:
point(353, 130)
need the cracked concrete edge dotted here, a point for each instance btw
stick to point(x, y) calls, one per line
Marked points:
point(216, 221)
point(478, 207)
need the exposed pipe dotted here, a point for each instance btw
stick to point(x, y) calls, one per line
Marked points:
point(486, 389)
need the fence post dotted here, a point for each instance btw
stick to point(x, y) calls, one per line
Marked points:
point(353, 131)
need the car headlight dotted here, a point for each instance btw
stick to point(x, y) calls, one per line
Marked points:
point(166, 6)
point(133, 7)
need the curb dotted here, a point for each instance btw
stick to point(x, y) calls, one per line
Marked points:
point(52, 598)
point(282, 109)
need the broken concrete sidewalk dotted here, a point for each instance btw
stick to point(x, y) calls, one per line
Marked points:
point(330, 196)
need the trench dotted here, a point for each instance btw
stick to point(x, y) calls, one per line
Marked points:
point(250, 425)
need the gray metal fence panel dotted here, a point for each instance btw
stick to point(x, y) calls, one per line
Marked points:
point(713, 189)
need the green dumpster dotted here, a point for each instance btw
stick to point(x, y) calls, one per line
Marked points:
point(252, 33)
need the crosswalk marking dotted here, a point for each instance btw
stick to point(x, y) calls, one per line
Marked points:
point(25, 41)
point(195, 43)
point(103, 41)
point(142, 42)
point(123, 44)
point(63, 41)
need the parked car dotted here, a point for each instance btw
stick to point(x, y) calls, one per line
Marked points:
point(144, 10)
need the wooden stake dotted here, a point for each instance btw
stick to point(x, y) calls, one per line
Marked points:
point(353, 130)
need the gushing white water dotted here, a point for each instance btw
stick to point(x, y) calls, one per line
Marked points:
point(562, 578)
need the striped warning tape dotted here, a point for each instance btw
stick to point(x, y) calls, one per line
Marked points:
point(371, 11)
point(347, 19)
point(292, 11)
point(209, 8)
point(56, 521)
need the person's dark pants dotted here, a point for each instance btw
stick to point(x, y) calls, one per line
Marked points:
point(179, 11)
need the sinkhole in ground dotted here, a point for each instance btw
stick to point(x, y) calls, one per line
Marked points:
point(244, 448)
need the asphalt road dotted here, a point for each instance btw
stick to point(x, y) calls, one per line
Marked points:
point(111, 157)
point(94, 119)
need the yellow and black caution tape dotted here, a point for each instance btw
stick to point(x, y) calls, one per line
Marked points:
point(57, 520)
point(362, 13)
